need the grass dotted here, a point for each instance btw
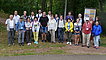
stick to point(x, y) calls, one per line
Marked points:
point(40, 49)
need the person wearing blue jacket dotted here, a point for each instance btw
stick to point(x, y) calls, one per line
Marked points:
point(21, 31)
point(96, 31)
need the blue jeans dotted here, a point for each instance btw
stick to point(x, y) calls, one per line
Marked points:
point(21, 36)
point(60, 34)
point(96, 40)
point(44, 29)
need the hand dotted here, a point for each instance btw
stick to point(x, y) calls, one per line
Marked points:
point(23, 31)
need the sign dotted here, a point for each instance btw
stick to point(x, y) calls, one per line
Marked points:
point(89, 13)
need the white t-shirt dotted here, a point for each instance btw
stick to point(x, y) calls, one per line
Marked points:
point(52, 25)
point(27, 24)
point(11, 24)
point(61, 24)
point(49, 16)
point(38, 16)
point(16, 18)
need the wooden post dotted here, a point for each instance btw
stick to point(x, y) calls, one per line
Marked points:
point(65, 10)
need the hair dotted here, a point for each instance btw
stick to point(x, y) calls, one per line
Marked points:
point(36, 18)
point(28, 18)
point(68, 19)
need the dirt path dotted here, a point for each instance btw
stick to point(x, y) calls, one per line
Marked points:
point(56, 57)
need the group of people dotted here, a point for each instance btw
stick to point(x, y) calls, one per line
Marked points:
point(49, 27)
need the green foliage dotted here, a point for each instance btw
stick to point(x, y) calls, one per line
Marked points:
point(57, 6)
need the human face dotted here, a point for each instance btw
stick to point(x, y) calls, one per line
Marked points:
point(39, 11)
point(15, 12)
point(97, 23)
point(49, 13)
point(52, 17)
point(68, 20)
point(56, 15)
point(20, 20)
point(32, 13)
point(61, 17)
point(77, 20)
point(97, 18)
point(11, 17)
point(69, 13)
point(25, 13)
point(35, 19)
point(79, 15)
point(44, 13)
point(28, 19)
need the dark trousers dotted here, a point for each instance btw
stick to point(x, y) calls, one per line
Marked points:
point(60, 35)
point(69, 35)
point(11, 36)
point(28, 36)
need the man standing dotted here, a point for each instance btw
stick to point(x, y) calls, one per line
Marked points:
point(39, 14)
point(86, 32)
point(43, 21)
point(32, 16)
point(10, 28)
point(21, 31)
point(16, 17)
point(49, 15)
point(70, 16)
point(61, 26)
point(25, 15)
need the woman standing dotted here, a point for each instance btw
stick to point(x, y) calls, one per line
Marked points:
point(28, 31)
point(77, 30)
point(69, 30)
point(52, 27)
point(97, 30)
point(35, 29)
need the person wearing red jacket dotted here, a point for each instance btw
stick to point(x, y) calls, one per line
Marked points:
point(86, 32)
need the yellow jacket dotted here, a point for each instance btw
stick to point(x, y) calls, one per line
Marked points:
point(71, 27)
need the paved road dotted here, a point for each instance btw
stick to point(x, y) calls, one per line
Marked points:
point(56, 57)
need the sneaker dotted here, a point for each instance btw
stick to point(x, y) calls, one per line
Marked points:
point(28, 44)
point(43, 40)
point(9, 45)
point(68, 42)
point(97, 47)
point(22, 44)
point(35, 42)
point(13, 44)
point(94, 47)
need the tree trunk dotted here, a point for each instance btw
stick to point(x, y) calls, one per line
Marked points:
point(51, 2)
point(43, 5)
